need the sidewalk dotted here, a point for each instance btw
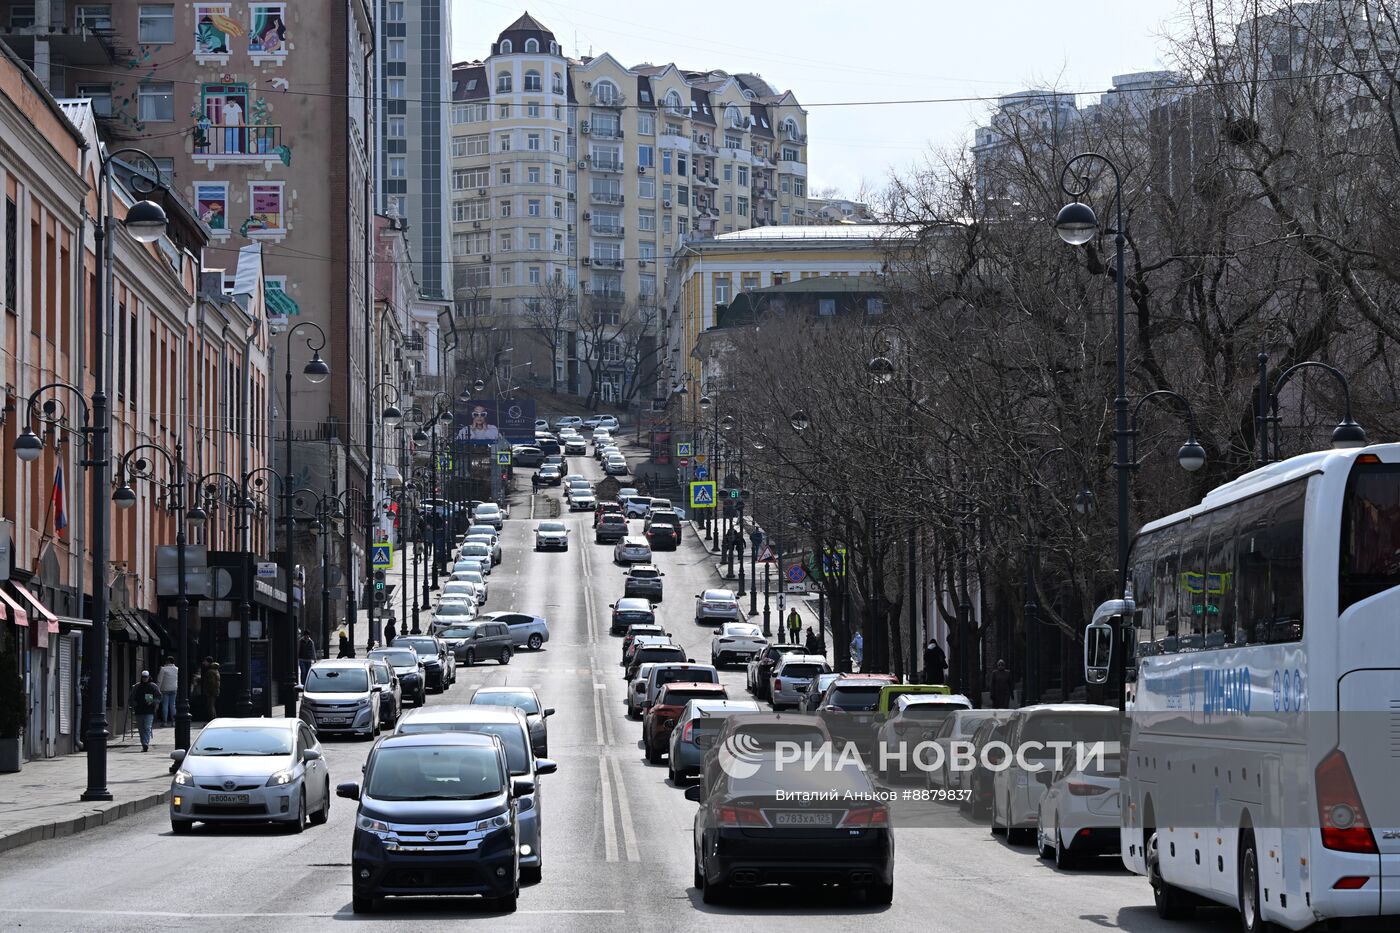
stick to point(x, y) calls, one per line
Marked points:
point(41, 801)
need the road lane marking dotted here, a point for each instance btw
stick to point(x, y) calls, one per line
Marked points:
point(609, 829)
point(203, 915)
point(629, 832)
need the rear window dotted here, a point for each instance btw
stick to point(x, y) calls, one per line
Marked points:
point(645, 574)
point(692, 676)
point(856, 698)
point(769, 735)
point(660, 654)
point(511, 735)
point(1370, 533)
point(681, 697)
point(800, 670)
point(1071, 727)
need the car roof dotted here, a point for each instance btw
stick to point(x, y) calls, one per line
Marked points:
point(337, 663)
point(707, 707)
point(730, 623)
point(678, 665)
point(1065, 708)
point(803, 659)
point(429, 739)
point(633, 602)
point(279, 722)
point(504, 688)
point(718, 593)
point(635, 567)
point(904, 701)
point(463, 712)
point(763, 717)
point(637, 540)
point(858, 681)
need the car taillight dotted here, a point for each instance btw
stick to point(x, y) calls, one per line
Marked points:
point(741, 816)
point(1343, 821)
point(687, 732)
point(865, 817)
point(778, 684)
point(1085, 790)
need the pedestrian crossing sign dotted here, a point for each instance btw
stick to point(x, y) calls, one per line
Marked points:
point(683, 449)
point(702, 494)
point(503, 458)
point(383, 556)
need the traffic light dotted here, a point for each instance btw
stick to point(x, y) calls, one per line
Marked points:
point(379, 591)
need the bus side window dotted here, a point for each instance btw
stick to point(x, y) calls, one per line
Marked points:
point(1220, 579)
point(1269, 567)
point(1164, 609)
point(1140, 575)
point(1190, 585)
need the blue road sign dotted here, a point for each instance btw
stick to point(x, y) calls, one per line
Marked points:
point(383, 555)
point(702, 495)
point(795, 573)
point(683, 449)
point(702, 472)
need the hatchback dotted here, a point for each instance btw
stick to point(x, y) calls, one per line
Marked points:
point(611, 526)
point(644, 582)
point(569, 421)
point(489, 513)
point(551, 536)
point(661, 716)
point(632, 550)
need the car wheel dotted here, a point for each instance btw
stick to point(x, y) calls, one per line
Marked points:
point(1042, 847)
point(320, 816)
point(505, 657)
point(1172, 903)
point(536, 642)
point(697, 874)
point(182, 827)
point(1064, 858)
point(362, 904)
point(507, 904)
point(470, 658)
point(653, 753)
point(996, 829)
point(879, 895)
point(712, 892)
point(672, 773)
point(299, 824)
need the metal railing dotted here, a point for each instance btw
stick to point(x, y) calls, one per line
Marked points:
point(240, 139)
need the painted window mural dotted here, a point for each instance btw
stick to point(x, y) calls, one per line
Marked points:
point(211, 203)
point(265, 209)
point(231, 125)
point(267, 37)
point(214, 29)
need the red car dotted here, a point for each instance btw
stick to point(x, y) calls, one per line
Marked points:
point(661, 717)
point(606, 508)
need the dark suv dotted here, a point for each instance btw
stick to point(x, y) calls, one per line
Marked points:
point(643, 582)
point(663, 530)
point(610, 528)
point(627, 612)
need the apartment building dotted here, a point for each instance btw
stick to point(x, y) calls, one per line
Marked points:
point(259, 114)
point(574, 180)
point(413, 74)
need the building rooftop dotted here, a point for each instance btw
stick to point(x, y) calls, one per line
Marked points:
point(814, 232)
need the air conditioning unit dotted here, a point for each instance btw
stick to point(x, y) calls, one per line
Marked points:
point(588, 85)
point(481, 192)
point(641, 170)
point(587, 215)
point(476, 225)
point(665, 203)
point(583, 163)
point(587, 261)
point(705, 138)
point(571, 195)
point(583, 128)
point(486, 258)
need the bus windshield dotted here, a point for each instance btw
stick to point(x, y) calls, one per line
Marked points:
point(1370, 558)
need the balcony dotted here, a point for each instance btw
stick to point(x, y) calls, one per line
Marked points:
point(611, 230)
point(214, 143)
point(605, 197)
point(766, 193)
point(607, 262)
point(792, 167)
point(605, 165)
point(612, 102)
point(706, 180)
point(603, 131)
point(700, 146)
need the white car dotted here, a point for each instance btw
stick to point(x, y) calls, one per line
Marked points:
point(915, 718)
point(454, 610)
point(575, 446)
point(635, 506)
point(582, 501)
point(637, 687)
point(632, 550)
point(551, 536)
point(717, 605)
point(475, 576)
point(492, 541)
point(956, 728)
point(606, 423)
point(568, 421)
point(1015, 790)
point(478, 551)
point(462, 588)
point(489, 513)
point(792, 676)
point(281, 775)
point(529, 631)
point(1078, 814)
point(735, 643)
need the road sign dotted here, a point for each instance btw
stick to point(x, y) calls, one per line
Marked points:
point(701, 472)
point(383, 556)
point(804, 587)
point(503, 458)
point(795, 574)
point(444, 464)
point(683, 448)
point(765, 556)
point(267, 570)
point(782, 604)
point(702, 495)
point(700, 458)
point(833, 562)
point(683, 461)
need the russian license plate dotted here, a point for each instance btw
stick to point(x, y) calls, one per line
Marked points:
point(801, 818)
point(228, 798)
point(335, 720)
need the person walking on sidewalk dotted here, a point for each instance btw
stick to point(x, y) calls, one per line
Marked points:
point(812, 642)
point(535, 482)
point(857, 647)
point(168, 682)
point(209, 684)
point(935, 662)
point(347, 650)
point(144, 701)
point(1001, 686)
point(306, 653)
point(794, 624)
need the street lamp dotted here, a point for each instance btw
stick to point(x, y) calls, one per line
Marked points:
point(145, 222)
point(1191, 456)
point(1345, 436)
point(329, 510)
point(316, 371)
point(125, 497)
point(728, 424)
point(392, 417)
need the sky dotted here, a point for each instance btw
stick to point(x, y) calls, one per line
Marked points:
point(829, 52)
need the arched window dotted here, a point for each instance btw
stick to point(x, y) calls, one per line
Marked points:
point(748, 95)
point(506, 47)
point(558, 83)
point(604, 91)
point(732, 117)
point(503, 82)
point(790, 127)
point(554, 48)
point(533, 81)
point(673, 102)
point(532, 45)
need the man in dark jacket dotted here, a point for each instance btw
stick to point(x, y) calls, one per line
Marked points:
point(144, 701)
point(935, 662)
point(209, 684)
point(306, 653)
point(1000, 686)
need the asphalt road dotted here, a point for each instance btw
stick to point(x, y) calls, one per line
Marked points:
point(617, 835)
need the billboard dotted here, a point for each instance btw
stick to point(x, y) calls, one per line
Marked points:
point(488, 420)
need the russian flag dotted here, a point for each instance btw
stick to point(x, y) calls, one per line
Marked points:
point(59, 504)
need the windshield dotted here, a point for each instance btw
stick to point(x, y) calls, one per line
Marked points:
point(337, 680)
point(487, 509)
point(718, 596)
point(243, 740)
point(525, 702)
point(855, 698)
point(551, 526)
point(458, 631)
point(434, 773)
point(423, 647)
point(475, 549)
point(638, 573)
point(399, 658)
point(750, 630)
point(1071, 727)
point(1370, 532)
point(512, 737)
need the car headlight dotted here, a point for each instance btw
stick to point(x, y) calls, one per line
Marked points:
point(487, 825)
point(183, 777)
point(280, 778)
point(373, 826)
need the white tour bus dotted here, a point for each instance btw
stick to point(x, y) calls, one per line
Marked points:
point(1263, 751)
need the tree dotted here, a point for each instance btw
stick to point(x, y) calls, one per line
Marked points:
point(550, 314)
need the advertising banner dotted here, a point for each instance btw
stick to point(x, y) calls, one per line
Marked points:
point(488, 420)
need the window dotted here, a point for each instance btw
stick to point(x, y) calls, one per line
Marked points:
point(799, 187)
point(476, 277)
point(504, 206)
point(559, 242)
point(395, 88)
point(533, 82)
point(94, 15)
point(397, 50)
point(459, 244)
point(744, 175)
point(646, 250)
point(155, 102)
point(605, 92)
point(556, 142)
point(532, 241)
point(673, 102)
point(665, 161)
point(503, 175)
point(682, 194)
point(210, 38)
point(558, 83)
point(532, 174)
point(464, 178)
point(506, 47)
point(395, 12)
point(532, 45)
point(398, 126)
point(532, 109)
point(646, 124)
point(533, 275)
point(503, 111)
point(268, 36)
point(100, 95)
point(722, 290)
point(459, 147)
point(646, 188)
point(874, 306)
point(729, 203)
point(787, 216)
point(733, 141)
point(729, 171)
point(532, 207)
point(743, 207)
point(558, 178)
point(503, 142)
point(826, 306)
point(155, 23)
point(666, 224)
point(505, 275)
point(463, 211)
point(397, 166)
point(785, 183)
point(505, 242)
point(1369, 543)
point(211, 204)
point(646, 221)
point(477, 145)
point(532, 142)
point(265, 214)
point(503, 80)
point(682, 225)
point(468, 113)
point(673, 129)
point(556, 208)
point(682, 167)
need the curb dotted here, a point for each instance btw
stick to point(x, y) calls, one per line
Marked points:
point(57, 829)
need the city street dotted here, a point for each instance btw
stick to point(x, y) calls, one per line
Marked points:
point(617, 834)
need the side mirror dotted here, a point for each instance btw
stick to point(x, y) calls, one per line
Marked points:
point(546, 766)
point(716, 632)
point(377, 688)
point(693, 794)
point(521, 786)
point(1098, 639)
point(311, 754)
point(548, 711)
point(178, 755)
point(1043, 778)
point(350, 790)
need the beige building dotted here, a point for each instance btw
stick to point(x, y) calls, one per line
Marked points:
point(575, 180)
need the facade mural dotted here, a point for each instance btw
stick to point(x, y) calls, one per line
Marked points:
point(211, 203)
point(268, 38)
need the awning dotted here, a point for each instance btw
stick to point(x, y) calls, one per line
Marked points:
point(42, 611)
point(279, 302)
point(17, 615)
point(133, 629)
point(71, 622)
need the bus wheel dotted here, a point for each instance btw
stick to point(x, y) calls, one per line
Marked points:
point(1251, 920)
point(1172, 903)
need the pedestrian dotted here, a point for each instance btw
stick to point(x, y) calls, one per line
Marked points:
point(811, 641)
point(935, 662)
point(347, 650)
point(306, 653)
point(210, 685)
point(389, 633)
point(1001, 686)
point(535, 482)
point(144, 701)
point(168, 682)
point(794, 624)
point(857, 648)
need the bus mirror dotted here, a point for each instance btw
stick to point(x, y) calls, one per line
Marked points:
point(1098, 651)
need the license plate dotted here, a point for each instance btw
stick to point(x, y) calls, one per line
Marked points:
point(228, 798)
point(800, 818)
point(335, 720)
